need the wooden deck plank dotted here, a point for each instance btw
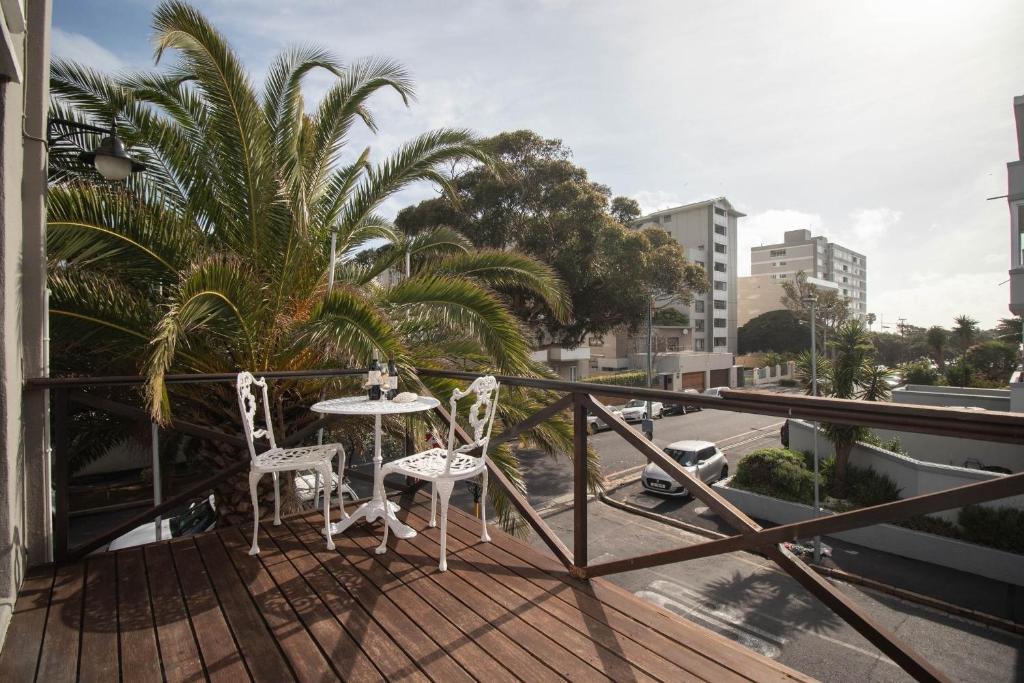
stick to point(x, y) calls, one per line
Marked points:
point(495, 605)
point(179, 650)
point(477, 662)
point(100, 660)
point(258, 646)
point(500, 646)
point(662, 629)
point(20, 655)
point(140, 656)
point(58, 660)
point(393, 663)
point(343, 651)
point(467, 546)
point(305, 657)
point(201, 607)
point(431, 657)
point(221, 658)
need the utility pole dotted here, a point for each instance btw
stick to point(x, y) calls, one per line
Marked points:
point(812, 300)
point(648, 425)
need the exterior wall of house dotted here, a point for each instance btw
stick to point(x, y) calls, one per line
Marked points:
point(24, 469)
point(757, 294)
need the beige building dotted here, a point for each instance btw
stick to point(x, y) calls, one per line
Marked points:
point(707, 232)
point(816, 256)
point(24, 459)
point(758, 294)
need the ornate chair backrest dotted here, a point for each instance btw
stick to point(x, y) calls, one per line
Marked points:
point(247, 405)
point(486, 391)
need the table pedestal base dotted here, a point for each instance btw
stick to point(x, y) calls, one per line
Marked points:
point(371, 511)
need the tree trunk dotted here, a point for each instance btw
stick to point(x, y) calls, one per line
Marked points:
point(842, 461)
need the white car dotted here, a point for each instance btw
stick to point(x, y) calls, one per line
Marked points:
point(702, 459)
point(636, 410)
point(714, 391)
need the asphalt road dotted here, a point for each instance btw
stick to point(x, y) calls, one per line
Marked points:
point(747, 599)
point(736, 434)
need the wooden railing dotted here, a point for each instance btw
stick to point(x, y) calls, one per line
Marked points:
point(578, 398)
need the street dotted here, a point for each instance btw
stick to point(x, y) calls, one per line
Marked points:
point(746, 598)
point(737, 434)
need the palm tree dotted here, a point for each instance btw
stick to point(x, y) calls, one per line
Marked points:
point(216, 258)
point(965, 330)
point(937, 338)
point(870, 318)
point(854, 375)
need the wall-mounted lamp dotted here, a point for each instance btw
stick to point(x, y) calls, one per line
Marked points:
point(111, 159)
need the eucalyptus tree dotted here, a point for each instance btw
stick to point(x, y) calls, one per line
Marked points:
point(217, 258)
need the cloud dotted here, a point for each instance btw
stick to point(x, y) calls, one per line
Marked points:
point(656, 200)
point(82, 49)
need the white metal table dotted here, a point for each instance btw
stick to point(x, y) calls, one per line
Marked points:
point(378, 507)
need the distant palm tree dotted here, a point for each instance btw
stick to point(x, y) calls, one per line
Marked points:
point(216, 258)
point(870, 318)
point(937, 339)
point(965, 330)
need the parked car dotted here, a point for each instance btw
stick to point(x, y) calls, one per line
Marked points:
point(636, 410)
point(700, 458)
point(714, 391)
point(682, 408)
point(596, 424)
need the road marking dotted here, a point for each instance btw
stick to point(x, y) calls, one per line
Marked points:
point(676, 592)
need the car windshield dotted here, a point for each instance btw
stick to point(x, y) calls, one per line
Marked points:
point(636, 403)
point(684, 458)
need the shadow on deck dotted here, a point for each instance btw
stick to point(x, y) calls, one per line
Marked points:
point(201, 608)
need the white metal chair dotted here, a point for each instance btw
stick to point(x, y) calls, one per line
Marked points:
point(276, 460)
point(445, 466)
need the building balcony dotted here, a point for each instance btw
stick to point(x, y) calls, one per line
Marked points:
point(560, 354)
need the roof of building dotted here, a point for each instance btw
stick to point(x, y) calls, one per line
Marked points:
point(694, 205)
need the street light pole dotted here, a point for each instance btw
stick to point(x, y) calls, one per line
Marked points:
point(649, 422)
point(812, 300)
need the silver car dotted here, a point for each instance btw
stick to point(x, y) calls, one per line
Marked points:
point(700, 458)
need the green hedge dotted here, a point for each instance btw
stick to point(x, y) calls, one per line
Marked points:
point(776, 472)
point(1001, 528)
point(632, 378)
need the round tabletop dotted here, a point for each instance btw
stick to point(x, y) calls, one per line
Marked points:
point(361, 405)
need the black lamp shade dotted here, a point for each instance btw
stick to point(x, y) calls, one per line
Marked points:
point(111, 159)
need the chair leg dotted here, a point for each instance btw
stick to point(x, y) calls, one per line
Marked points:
point(484, 536)
point(433, 504)
point(277, 500)
point(325, 471)
point(316, 486)
point(254, 480)
point(445, 492)
point(341, 482)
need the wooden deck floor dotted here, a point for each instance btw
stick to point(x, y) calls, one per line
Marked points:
point(202, 608)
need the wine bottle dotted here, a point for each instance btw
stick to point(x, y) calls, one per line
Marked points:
point(373, 379)
point(392, 378)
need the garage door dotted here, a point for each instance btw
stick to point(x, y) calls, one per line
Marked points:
point(692, 380)
point(720, 378)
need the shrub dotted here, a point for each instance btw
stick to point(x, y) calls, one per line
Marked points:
point(787, 382)
point(932, 525)
point(1001, 527)
point(893, 445)
point(865, 487)
point(920, 371)
point(776, 472)
point(632, 378)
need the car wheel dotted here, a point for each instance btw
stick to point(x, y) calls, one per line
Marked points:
point(684, 410)
point(592, 428)
point(724, 473)
point(643, 417)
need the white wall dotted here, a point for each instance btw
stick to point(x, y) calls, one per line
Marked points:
point(913, 476)
point(952, 397)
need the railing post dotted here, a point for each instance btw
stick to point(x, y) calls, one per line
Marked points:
point(579, 484)
point(158, 495)
point(61, 454)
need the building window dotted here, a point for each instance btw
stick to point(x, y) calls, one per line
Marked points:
point(698, 306)
point(699, 263)
point(720, 211)
point(719, 248)
point(720, 230)
point(698, 325)
point(719, 304)
point(698, 344)
point(782, 263)
point(720, 286)
point(844, 292)
point(721, 341)
point(845, 280)
point(719, 267)
point(776, 252)
point(720, 322)
point(572, 373)
point(673, 343)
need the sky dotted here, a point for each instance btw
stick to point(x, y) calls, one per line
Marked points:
point(885, 126)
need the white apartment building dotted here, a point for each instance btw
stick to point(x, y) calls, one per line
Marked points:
point(1015, 198)
point(816, 256)
point(707, 232)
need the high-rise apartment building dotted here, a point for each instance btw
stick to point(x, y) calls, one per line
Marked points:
point(817, 257)
point(1015, 197)
point(707, 232)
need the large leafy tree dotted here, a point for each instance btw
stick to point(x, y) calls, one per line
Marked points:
point(547, 206)
point(778, 331)
point(937, 338)
point(216, 258)
point(831, 309)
